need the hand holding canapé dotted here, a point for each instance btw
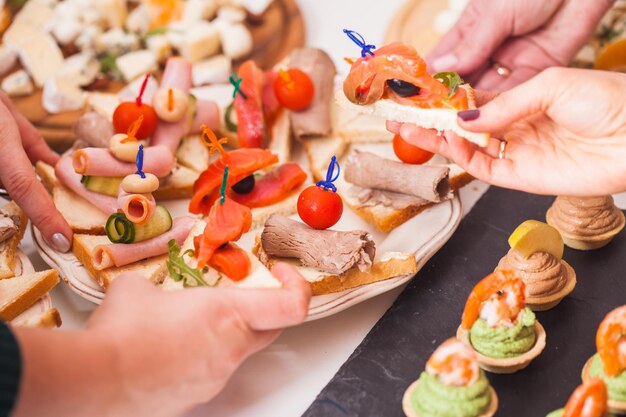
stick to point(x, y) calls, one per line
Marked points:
point(563, 130)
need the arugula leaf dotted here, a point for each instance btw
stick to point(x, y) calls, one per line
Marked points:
point(452, 80)
point(179, 270)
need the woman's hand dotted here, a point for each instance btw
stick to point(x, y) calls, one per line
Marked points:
point(524, 36)
point(565, 129)
point(149, 352)
point(22, 146)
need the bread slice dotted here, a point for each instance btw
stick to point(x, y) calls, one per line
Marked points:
point(280, 142)
point(19, 293)
point(8, 248)
point(178, 185)
point(192, 153)
point(383, 217)
point(391, 265)
point(440, 119)
point(356, 127)
point(260, 276)
point(153, 269)
point(49, 319)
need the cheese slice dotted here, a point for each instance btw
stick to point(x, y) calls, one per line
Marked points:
point(201, 40)
point(35, 13)
point(236, 40)
point(38, 51)
point(113, 12)
point(8, 58)
point(103, 103)
point(135, 64)
point(81, 68)
point(197, 10)
point(214, 70)
point(62, 94)
point(17, 84)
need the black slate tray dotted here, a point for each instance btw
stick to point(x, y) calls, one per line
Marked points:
point(428, 311)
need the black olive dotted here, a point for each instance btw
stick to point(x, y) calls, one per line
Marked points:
point(245, 186)
point(403, 88)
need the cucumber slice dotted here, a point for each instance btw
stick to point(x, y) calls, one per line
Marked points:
point(230, 125)
point(159, 223)
point(121, 230)
point(102, 185)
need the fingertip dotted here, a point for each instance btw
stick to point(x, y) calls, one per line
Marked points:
point(393, 126)
point(291, 278)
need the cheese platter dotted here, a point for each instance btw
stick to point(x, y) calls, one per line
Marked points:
point(54, 55)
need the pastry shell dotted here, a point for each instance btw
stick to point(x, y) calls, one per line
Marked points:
point(409, 412)
point(507, 365)
point(591, 242)
point(550, 301)
point(615, 407)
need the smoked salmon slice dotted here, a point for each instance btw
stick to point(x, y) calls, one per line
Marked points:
point(226, 222)
point(367, 81)
point(241, 163)
point(232, 261)
point(269, 189)
point(273, 187)
point(249, 109)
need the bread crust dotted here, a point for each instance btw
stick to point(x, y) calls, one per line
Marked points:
point(155, 269)
point(327, 284)
point(45, 281)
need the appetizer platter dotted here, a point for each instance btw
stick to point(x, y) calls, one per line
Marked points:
point(56, 57)
point(212, 189)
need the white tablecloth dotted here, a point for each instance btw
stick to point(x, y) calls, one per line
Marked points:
point(284, 379)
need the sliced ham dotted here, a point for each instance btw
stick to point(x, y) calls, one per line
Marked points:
point(65, 173)
point(327, 251)
point(177, 74)
point(367, 170)
point(138, 208)
point(207, 113)
point(120, 254)
point(315, 121)
point(157, 160)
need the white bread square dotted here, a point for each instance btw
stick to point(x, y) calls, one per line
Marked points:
point(19, 293)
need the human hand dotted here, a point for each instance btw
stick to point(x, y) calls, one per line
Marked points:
point(524, 36)
point(22, 146)
point(565, 130)
point(150, 352)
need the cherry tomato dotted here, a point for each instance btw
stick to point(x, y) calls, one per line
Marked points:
point(129, 111)
point(294, 89)
point(319, 208)
point(409, 153)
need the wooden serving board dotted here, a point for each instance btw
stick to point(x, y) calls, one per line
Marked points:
point(413, 24)
point(278, 31)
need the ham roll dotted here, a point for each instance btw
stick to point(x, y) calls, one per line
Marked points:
point(177, 74)
point(138, 208)
point(120, 254)
point(65, 173)
point(100, 162)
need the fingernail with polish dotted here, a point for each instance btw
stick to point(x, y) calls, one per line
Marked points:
point(60, 243)
point(468, 115)
point(445, 62)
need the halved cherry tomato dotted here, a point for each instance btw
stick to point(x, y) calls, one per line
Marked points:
point(409, 153)
point(319, 208)
point(129, 111)
point(294, 89)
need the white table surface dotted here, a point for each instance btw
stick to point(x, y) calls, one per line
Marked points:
point(284, 379)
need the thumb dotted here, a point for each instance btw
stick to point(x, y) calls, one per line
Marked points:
point(534, 96)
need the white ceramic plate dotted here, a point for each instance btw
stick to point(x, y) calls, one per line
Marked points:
point(423, 235)
point(24, 266)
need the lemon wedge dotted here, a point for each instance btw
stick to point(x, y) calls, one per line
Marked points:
point(612, 57)
point(534, 236)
